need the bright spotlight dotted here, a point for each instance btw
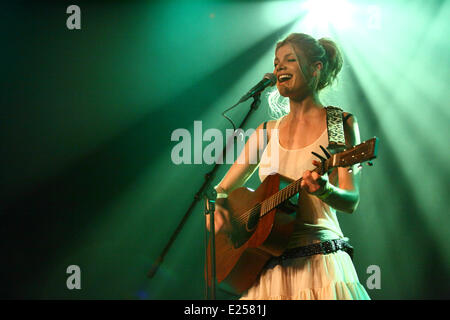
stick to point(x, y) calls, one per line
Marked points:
point(322, 14)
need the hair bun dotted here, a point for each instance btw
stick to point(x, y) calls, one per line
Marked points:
point(334, 62)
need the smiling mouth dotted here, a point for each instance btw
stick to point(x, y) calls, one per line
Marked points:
point(284, 77)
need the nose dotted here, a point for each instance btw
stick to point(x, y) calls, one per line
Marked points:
point(280, 67)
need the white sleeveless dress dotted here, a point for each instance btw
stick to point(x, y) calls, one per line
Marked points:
point(318, 277)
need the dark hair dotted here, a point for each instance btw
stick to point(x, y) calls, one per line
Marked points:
point(323, 50)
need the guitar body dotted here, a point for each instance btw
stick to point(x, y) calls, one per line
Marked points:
point(240, 260)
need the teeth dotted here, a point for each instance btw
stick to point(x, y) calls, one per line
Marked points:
point(284, 77)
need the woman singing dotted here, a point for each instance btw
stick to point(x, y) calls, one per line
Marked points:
point(303, 66)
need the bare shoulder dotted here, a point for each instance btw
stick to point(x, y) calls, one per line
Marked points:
point(351, 129)
point(349, 118)
point(270, 124)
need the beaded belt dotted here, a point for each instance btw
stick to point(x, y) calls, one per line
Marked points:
point(326, 247)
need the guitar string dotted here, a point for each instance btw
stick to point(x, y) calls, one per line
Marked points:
point(242, 220)
point(273, 199)
point(270, 202)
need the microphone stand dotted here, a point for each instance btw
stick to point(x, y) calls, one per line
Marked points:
point(210, 256)
point(202, 192)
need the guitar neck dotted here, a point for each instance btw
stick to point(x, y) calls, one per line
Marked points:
point(365, 151)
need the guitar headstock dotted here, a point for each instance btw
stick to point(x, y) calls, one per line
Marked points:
point(361, 153)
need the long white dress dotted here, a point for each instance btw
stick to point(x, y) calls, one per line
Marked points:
point(322, 277)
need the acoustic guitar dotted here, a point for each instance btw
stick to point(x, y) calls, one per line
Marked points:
point(262, 221)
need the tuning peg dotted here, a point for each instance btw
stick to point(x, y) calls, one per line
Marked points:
point(318, 156)
point(350, 170)
point(370, 163)
point(360, 166)
point(327, 154)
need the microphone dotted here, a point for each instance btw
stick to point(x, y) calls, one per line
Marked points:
point(269, 80)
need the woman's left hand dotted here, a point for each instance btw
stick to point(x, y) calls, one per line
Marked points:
point(313, 182)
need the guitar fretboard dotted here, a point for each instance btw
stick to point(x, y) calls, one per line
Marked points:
point(363, 152)
point(281, 196)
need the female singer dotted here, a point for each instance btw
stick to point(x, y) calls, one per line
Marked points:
point(303, 66)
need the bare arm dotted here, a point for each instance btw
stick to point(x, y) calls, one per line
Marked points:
point(247, 162)
point(241, 170)
point(345, 195)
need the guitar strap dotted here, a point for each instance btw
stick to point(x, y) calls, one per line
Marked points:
point(335, 127)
